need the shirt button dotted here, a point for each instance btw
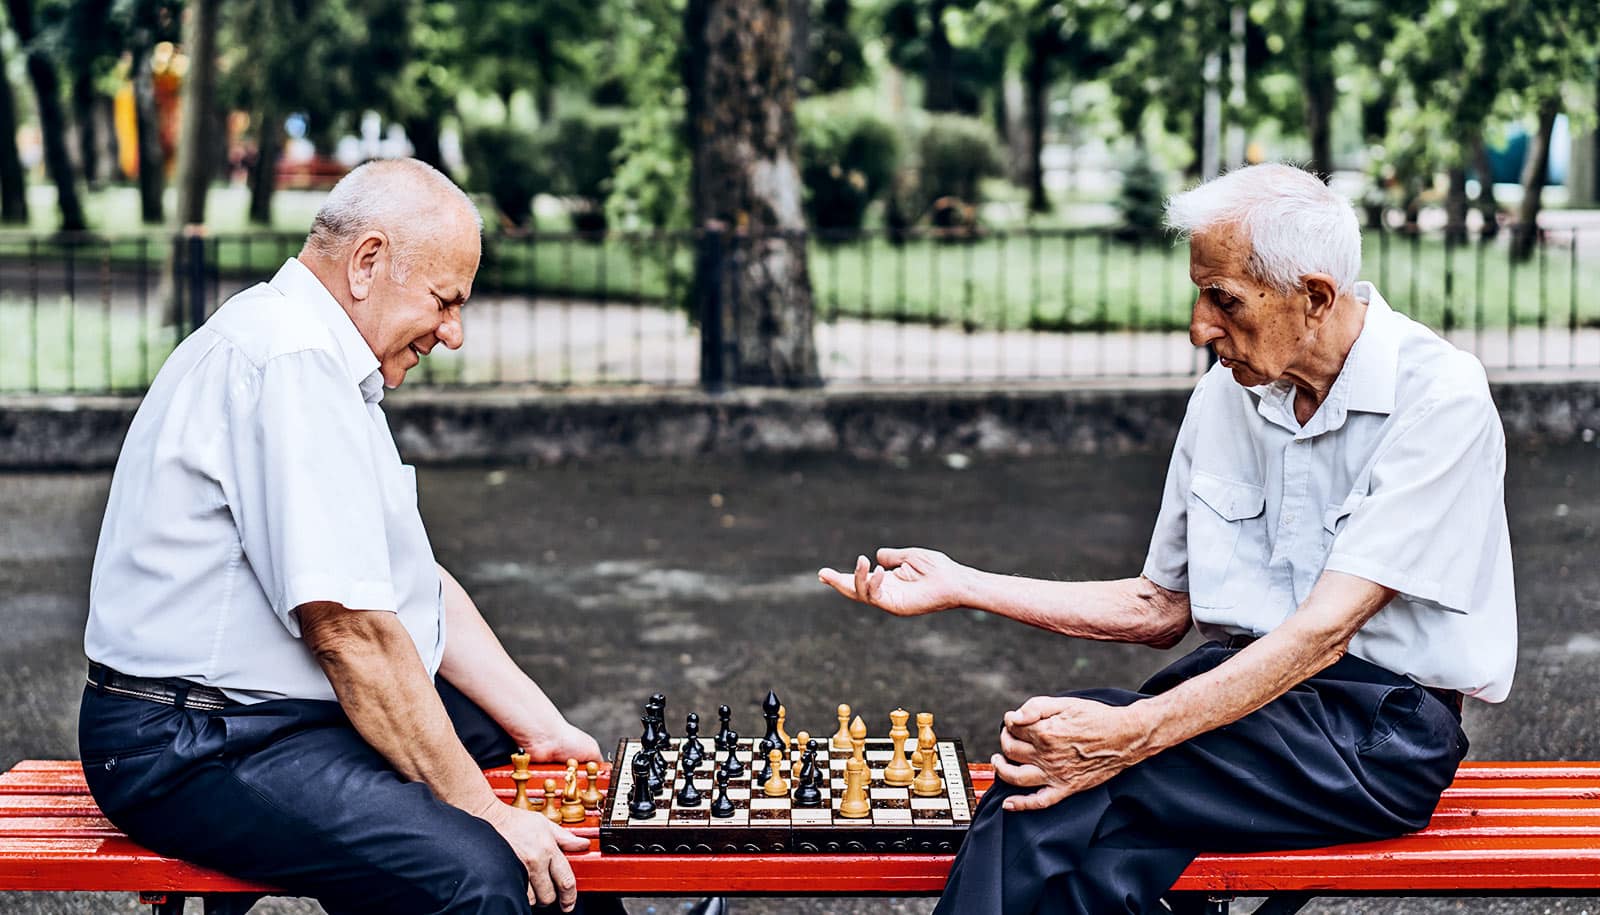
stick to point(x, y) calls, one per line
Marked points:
point(1289, 518)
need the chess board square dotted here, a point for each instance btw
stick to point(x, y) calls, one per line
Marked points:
point(889, 794)
point(930, 803)
point(690, 815)
point(900, 816)
point(769, 803)
point(805, 816)
point(931, 816)
point(878, 756)
point(739, 794)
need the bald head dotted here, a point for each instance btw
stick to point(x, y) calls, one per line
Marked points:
point(412, 203)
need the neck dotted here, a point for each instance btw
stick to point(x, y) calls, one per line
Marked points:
point(1314, 373)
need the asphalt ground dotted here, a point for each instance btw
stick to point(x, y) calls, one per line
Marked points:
point(612, 581)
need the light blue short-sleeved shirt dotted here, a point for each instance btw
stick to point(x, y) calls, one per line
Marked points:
point(258, 475)
point(1399, 478)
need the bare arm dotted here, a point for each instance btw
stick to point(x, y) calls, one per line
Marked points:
point(477, 664)
point(1065, 745)
point(911, 582)
point(380, 681)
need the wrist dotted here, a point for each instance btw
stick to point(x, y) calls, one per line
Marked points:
point(970, 588)
point(1152, 722)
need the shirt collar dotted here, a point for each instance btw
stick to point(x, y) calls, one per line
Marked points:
point(296, 279)
point(1366, 381)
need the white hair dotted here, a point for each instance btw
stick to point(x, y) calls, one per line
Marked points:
point(1296, 225)
point(402, 198)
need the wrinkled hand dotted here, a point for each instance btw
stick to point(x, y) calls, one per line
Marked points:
point(906, 582)
point(543, 848)
point(1062, 745)
point(561, 743)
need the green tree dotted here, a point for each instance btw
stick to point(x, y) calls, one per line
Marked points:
point(13, 189)
point(46, 80)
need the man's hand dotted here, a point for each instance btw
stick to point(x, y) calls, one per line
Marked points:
point(907, 582)
point(1063, 745)
point(543, 847)
point(559, 745)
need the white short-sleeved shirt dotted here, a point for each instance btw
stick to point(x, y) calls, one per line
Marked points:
point(1398, 478)
point(258, 475)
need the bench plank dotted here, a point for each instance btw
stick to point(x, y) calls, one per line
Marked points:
point(1501, 828)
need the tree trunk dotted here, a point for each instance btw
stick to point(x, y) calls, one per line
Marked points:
point(264, 172)
point(52, 120)
point(199, 93)
point(152, 163)
point(13, 186)
point(939, 80)
point(423, 132)
point(83, 115)
point(745, 181)
point(1455, 204)
point(1317, 86)
point(800, 44)
point(1488, 207)
point(1036, 73)
point(1535, 172)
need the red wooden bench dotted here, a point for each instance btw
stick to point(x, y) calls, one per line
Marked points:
point(1509, 828)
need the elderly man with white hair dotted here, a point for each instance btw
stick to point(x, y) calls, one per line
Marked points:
point(1334, 526)
point(283, 684)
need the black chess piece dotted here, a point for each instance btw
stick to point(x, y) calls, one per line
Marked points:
point(651, 736)
point(691, 740)
point(725, 714)
point(689, 795)
point(641, 802)
point(661, 719)
point(722, 807)
point(769, 711)
point(808, 794)
point(732, 765)
point(764, 774)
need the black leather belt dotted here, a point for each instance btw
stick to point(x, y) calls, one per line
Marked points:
point(165, 690)
point(1450, 697)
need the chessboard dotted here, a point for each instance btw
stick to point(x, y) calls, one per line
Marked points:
point(899, 821)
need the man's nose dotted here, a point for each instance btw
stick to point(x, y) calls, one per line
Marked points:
point(1203, 327)
point(452, 333)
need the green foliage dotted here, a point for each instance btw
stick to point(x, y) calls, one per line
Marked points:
point(650, 187)
point(509, 164)
point(847, 160)
point(1142, 201)
point(581, 149)
point(954, 153)
point(837, 61)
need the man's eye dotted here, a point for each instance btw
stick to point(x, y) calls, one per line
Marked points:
point(1226, 302)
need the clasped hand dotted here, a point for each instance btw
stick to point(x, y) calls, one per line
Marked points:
point(1061, 745)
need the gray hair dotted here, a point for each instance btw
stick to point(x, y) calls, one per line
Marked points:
point(1296, 224)
point(398, 197)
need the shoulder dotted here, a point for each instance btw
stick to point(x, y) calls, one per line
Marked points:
point(1432, 373)
point(263, 324)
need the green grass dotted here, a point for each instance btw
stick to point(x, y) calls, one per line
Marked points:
point(59, 348)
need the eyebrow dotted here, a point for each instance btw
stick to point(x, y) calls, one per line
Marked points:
point(455, 299)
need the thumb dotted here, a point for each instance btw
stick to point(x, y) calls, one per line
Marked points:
point(570, 843)
point(889, 556)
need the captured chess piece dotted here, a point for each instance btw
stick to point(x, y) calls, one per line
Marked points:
point(801, 741)
point(855, 804)
point(520, 776)
point(689, 795)
point(592, 798)
point(777, 785)
point(732, 765)
point(641, 802)
point(898, 772)
point(552, 801)
point(722, 807)
point(841, 737)
point(572, 806)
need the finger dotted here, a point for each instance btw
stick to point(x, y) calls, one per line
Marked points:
point(889, 556)
point(570, 843)
point(1015, 749)
point(1048, 796)
point(838, 581)
point(566, 883)
point(1035, 709)
point(544, 892)
point(862, 568)
point(1023, 776)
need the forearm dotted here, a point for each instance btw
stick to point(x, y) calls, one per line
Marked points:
point(385, 691)
point(477, 664)
point(1309, 641)
point(1127, 610)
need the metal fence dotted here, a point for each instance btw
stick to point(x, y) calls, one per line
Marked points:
point(92, 314)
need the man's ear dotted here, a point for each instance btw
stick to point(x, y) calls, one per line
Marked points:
point(1321, 292)
point(363, 264)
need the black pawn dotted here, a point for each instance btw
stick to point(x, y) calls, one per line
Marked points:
point(688, 795)
point(722, 807)
point(769, 711)
point(691, 740)
point(764, 774)
point(641, 802)
point(732, 765)
point(725, 714)
point(808, 794)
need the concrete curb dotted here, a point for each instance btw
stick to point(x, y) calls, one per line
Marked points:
point(536, 426)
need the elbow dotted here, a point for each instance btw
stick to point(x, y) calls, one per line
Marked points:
point(1166, 616)
point(345, 642)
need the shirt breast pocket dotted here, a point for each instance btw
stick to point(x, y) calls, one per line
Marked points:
point(402, 488)
point(1334, 519)
point(1223, 522)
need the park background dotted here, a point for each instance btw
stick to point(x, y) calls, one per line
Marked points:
point(768, 284)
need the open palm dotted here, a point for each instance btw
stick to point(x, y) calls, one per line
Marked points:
point(906, 582)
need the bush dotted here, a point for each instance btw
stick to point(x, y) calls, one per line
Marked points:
point(1142, 201)
point(955, 153)
point(847, 161)
point(582, 152)
point(510, 165)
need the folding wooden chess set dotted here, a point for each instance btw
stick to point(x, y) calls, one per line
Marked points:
point(909, 792)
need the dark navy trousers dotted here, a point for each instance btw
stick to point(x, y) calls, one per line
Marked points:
point(287, 792)
point(1354, 753)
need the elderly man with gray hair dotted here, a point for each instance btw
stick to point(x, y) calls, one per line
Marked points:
point(283, 684)
point(1333, 524)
